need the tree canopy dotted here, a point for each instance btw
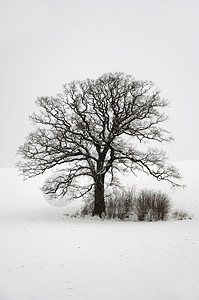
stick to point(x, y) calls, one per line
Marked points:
point(96, 129)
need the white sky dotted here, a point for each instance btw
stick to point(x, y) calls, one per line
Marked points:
point(45, 43)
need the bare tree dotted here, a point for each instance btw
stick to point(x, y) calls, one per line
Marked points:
point(95, 129)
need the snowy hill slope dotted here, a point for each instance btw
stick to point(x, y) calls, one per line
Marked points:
point(46, 256)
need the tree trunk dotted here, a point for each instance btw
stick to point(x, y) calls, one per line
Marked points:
point(99, 206)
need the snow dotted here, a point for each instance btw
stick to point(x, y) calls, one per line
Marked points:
point(45, 255)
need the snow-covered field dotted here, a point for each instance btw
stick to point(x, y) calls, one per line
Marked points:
point(45, 255)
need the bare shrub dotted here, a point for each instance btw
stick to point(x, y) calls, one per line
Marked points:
point(88, 207)
point(181, 215)
point(120, 203)
point(152, 205)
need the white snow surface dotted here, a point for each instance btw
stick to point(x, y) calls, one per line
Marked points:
point(45, 255)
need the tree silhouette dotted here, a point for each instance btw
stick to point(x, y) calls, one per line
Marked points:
point(96, 129)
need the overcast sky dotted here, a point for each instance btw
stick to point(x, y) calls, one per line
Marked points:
point(46, 43)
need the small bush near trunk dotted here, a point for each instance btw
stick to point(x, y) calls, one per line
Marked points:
point(120, 204)
point(88, 207)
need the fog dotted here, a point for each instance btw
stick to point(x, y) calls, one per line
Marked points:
point(45, 44)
